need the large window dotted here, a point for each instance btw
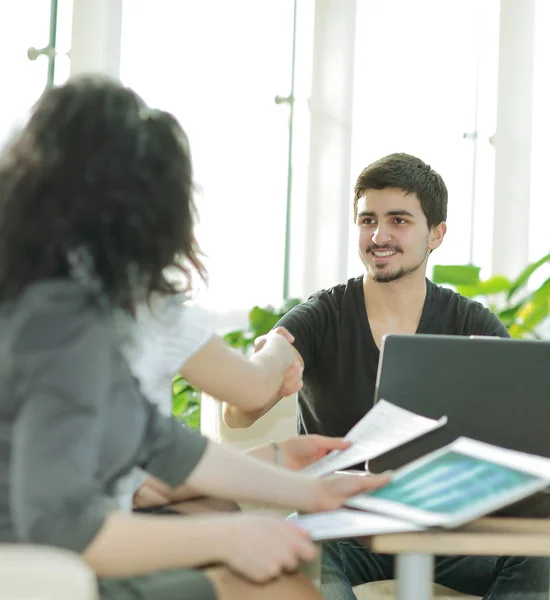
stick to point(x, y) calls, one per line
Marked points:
point(63, 41)
point(23, 79)
point(218, 66)
point(26, 27)
point(539, 239)
point(425, 84)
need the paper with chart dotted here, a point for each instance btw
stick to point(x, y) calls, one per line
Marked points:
point(456, 484)
point(344, 523)
point(382, 429)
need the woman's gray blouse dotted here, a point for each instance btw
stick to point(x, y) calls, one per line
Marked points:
point(72, 419)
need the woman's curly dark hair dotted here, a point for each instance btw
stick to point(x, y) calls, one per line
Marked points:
point(96, 170)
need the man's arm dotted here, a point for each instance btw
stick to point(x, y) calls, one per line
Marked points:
point(485, 323)
point(239, 416)
point(306, 328)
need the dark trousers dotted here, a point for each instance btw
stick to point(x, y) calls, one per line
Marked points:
point(349, 563)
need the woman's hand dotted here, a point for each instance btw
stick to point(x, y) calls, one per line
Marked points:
point(299, 452)
point(334, 490)
point(262, 547)
point(292, 382)
point(151, 494)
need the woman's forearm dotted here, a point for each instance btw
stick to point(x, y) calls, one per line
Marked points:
point(249, 383)
point(130, 545)
point(228, 473)
point(186, 492)
point(273, 359)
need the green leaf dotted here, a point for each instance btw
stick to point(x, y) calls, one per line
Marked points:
point(495, 285)
point(538, 311)
point(456, 274)
point(525, 275)
point(470, 291)
point(543, 293)
point(186, 402)
point(262, 320)
point(288, 304)
point(180, 385)
point(179, 403)
point(191, 417)
point(516, 332)
point(533, 311)
point(541, 300)
point(509, 314)
point(235, 338)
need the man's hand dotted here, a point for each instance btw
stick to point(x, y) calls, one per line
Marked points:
point(292, 381)
point(299, 452)
point(260, 341)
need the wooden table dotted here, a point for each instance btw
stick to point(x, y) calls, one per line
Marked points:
point(415, 551)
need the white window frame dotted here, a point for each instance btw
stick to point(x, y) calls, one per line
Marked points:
point(96, 37)
point(513, 137)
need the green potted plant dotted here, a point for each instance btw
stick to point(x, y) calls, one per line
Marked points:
point(186, 399)
point(521, 309)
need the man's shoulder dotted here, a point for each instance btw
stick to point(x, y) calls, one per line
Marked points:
point(338, 294)
point(326, 305)
point(466, 315)
point(445, 297)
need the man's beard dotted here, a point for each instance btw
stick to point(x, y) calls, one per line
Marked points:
point(387, 276)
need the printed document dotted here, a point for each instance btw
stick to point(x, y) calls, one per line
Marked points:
point(345, 523)
point(382, 429)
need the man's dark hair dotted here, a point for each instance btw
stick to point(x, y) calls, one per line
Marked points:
point(96, 170)
point(411, 175)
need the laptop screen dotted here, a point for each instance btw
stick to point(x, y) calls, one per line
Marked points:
point(491, 389)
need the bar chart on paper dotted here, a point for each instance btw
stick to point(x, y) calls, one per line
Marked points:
point(452, 482)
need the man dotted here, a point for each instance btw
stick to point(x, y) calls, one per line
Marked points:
point(400, 209)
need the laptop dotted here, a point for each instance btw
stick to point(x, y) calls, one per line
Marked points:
point(491, 389)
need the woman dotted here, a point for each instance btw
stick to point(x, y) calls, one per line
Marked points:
point(95, 208)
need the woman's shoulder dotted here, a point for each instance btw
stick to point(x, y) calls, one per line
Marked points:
point(50, 309)
point(53, 292)
point(58, 297)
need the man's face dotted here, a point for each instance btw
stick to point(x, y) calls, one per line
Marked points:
point(394, 239)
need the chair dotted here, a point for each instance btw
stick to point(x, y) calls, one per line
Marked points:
point(31, 572)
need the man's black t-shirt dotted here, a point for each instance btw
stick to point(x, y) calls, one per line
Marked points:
point(334, 338)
